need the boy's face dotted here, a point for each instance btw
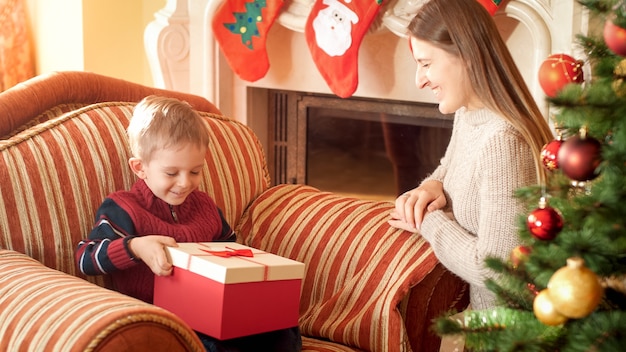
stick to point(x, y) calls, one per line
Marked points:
point(173, 172)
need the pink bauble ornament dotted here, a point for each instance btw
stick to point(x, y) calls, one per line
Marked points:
point(615, 38)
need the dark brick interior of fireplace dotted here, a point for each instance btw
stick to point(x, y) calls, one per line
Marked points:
point(367, 148)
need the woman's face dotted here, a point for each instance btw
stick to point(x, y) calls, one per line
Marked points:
point(446, 75)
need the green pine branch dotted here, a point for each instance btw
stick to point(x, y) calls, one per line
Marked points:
point(502, 329)
point(601, 332)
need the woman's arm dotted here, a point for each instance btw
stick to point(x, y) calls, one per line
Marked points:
point(504, 166)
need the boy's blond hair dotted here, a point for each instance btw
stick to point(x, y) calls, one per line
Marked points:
point(161, 122)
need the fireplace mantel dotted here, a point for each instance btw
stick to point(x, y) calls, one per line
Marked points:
point(184, 55)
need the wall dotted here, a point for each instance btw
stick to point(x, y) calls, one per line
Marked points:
point(102, 36)
point(533, 29)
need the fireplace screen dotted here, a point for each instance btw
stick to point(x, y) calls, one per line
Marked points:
point(366, 148)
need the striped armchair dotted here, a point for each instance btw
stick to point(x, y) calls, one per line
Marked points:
point(367, 286)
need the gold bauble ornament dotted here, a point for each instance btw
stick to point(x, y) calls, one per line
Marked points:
point(575, 290)
point(544, 310)
point(619, 87)
point(619, 84)
point(620, 69)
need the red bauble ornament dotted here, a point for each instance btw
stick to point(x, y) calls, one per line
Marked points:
point(579, 157)
point(532, 288)
point(557, 71)
point(615, 38)
point(549, 154)
point(519, 255)
point(545, 222)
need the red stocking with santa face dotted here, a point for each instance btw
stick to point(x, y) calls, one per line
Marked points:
point(334, 31)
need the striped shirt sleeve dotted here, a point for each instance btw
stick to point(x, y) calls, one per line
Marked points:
point(106, 248)
point(227, 234)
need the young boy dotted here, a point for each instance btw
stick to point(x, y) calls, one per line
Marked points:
point(168, 142)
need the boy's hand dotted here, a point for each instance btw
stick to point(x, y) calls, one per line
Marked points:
point(151, 250)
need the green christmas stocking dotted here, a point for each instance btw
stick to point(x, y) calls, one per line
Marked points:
point(240, 28)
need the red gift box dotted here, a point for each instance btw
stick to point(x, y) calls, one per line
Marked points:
point(228, 290)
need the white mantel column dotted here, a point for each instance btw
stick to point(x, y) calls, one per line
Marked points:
point(166, 40)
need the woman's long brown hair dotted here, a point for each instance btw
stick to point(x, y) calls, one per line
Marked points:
point(465, 29)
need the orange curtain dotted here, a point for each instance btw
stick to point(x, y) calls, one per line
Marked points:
point(16, 62)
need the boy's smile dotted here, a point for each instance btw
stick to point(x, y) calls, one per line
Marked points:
point(172, 172)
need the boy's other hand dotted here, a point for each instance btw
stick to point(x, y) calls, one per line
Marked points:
point(151, 250)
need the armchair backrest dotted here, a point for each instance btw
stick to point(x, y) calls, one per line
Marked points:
point(49, 95)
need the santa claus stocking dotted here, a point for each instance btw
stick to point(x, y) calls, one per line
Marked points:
point(334, 31)
point(240, 28)
point(491, 5)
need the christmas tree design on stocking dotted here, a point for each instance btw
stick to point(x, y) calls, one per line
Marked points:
point(491, 5)
point(240, 28)
point(334, 31)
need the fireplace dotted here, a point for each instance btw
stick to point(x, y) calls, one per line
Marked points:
point(368, 148)
point(184, 55)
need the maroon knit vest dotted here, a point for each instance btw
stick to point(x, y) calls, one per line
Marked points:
point(198, 218)
point(198, 221)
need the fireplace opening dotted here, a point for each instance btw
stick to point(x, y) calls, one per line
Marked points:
point(366, 148)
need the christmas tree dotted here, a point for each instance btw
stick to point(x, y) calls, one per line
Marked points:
point(564, 289)
point(246, 24)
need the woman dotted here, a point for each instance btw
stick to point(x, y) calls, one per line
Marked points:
point(466, 209)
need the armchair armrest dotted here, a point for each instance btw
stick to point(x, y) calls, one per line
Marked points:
point(45, 309)
point(360, 272)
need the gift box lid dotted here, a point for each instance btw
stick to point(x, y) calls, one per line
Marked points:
point(229, 262)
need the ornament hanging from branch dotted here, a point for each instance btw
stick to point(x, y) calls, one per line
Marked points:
point(580, 156)
point(619, 79)
point(545, 222)
point(519, 255)
point(574, 289)
point(559, 70)
point(544, 310)
point(549, 153)
point(615, 37)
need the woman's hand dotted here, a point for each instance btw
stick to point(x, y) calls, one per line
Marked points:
point(151, 250)
point(414, 204)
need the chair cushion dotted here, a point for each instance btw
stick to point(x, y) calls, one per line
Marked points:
point(310, 344)
point(42, 309)
point(357, 271)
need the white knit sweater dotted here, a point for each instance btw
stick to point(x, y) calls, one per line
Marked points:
point(486, 161)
